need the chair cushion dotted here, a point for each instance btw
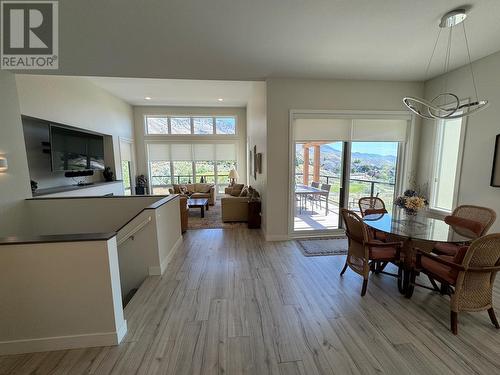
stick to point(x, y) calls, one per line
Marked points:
point(442, 271)
point(382, 253)
point(381, 236)
point(374, 211)
point(474, 226)
point(446, 248)
point(460, 255)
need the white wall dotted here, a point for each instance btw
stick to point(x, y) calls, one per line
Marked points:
point(141, 152)
point(76, 101)
point(286, 94)
point(15, 183)
point(482, 129)
point(60, 296)
point(257, 136)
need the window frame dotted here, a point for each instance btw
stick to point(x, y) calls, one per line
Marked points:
point(436, 164)
point(191, 119)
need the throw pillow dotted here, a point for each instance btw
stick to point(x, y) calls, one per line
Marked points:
point(236, 190)
point(183, 189)
point(244, 192)
point(176, 189)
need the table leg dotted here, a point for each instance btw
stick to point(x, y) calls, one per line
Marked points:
point(206, 206)
point(203, 211)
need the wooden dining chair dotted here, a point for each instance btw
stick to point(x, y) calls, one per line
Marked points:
point(371, 205)
point(364, 252)
point(468, 221)
point(469, 276)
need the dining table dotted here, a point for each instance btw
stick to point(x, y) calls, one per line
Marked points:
point(421, 231)
point(303, 191)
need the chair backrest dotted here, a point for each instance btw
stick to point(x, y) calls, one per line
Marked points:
point(374, 205)
point(485, 216)
point(326, 187)
point(315, 184)
point(474, 288)
point(357, 234)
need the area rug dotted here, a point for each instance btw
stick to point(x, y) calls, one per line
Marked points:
point(212, 219)
point(323, 246)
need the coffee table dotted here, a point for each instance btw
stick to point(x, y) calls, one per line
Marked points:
point(201, 203)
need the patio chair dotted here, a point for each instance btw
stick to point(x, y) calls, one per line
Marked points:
point(314, 197)
point(324, 197)
point(468, 276)
point(468, 221)
point(371, 205)
point(365, 254)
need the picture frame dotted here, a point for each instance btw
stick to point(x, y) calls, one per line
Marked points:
point(259, 163)
point(495, 170)
point(254, 171)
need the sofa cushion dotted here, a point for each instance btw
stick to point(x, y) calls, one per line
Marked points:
point(236, 189)
point(203, 188)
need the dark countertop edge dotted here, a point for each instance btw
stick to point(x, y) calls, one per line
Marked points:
point(65, 188)
point(24, 240)
point(41, 198)
point(29, 240)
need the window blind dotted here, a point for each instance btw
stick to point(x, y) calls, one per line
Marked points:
point(158, 152)
point(191, 152)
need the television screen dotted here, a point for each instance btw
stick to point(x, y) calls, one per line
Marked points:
point(73, 150)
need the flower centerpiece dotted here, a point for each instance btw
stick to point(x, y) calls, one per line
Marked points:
point(411, 202)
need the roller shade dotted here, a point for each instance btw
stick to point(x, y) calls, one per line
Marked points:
point(342, 129)
point(204, 152)
point(379, 130)
point(225, 151)
point(322, 129)
point(181, 152)
point(125, 151)
point(159, 152)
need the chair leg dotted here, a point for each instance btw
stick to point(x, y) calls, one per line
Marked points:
point(363, 289)
point(493, 318)
point(343, 269)
point(433, 282)
point(445, 289)
point(454, 322)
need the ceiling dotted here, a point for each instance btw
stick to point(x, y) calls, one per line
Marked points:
point(258, 39)
point(177, 92)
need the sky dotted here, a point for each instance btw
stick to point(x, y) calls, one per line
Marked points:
point(379, 148)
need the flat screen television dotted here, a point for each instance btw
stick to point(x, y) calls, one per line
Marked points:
point(73, 150)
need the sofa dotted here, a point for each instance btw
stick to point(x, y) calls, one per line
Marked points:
point(198, 191)
point(184, 212)
point(234, 204)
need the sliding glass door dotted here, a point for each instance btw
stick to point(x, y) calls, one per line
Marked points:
point(336, 161)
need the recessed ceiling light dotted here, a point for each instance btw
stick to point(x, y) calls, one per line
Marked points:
point(147, 98)
point(220, 100)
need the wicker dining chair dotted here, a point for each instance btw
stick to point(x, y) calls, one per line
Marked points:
point(469, 276)
point(468, 221)
point(371, 205)
point(364, 252)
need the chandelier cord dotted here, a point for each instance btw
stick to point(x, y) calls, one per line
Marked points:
point(470, 62)
point(432, 56)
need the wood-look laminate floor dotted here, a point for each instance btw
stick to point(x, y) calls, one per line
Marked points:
point(231, 303)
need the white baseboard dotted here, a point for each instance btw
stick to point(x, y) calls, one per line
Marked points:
point(159, 270)
point(46, 344)
point(277, 237)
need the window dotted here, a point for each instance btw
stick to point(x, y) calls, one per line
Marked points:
point(182, 163)
point(446, 163)
point(190, 125)
point(157, 125)
point(203, 125)
point(127, 177)
point(225, 125)
point(180, 125)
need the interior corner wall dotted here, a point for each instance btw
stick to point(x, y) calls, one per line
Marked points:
point(141, 111)
point(305, 94)
point(482, 129)
point(257, 136)
point(77, 102)
point(15, 183)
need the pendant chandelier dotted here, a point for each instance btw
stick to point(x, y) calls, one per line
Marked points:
point(447, 105)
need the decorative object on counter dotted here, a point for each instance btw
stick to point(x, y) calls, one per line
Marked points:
point(34, 186)
point(141, 186)
point(3, 164)
point(411, 202)
point(233, 176)
point(108, 174)
point(202, 180)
